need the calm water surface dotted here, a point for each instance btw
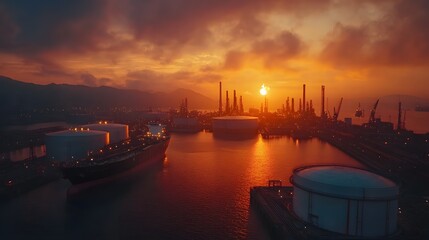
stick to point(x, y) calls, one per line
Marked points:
point(200, 191)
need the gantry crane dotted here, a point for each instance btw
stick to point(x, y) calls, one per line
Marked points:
point(372, 115)
point(337, 112)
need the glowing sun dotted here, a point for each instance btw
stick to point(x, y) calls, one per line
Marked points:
point(264, 90)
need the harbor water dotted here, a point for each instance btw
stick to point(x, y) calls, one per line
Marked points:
point(200, 191)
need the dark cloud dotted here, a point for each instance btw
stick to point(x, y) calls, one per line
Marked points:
point(51, 70)
point(248, 27)
point(271, 52)
point(8, 28)
point(34, 28)
point(283, 47)
point(90, 80)
point(56, 24)
point(401, 37)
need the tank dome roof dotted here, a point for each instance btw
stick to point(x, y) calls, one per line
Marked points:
point(344, 181)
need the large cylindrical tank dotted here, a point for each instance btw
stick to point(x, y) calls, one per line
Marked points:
point(235, 127)
point(74, 144)
point(346, 200)
point(117, 132)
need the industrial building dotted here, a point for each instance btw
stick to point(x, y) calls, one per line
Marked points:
point(239, 127)
point(185, 124)
point(74, 143)
point(345, 200)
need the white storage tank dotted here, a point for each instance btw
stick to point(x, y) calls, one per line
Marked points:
point(235, 126)
point(346, 200)
point(117, 132)
point(74, 143)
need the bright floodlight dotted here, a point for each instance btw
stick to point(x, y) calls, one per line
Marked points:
point(263, 90)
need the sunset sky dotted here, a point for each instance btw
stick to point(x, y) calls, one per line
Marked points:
point(357, 48)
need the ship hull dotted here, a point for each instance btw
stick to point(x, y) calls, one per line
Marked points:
point(86, 174)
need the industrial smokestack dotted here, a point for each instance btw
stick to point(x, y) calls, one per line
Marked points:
point(322, 112)
point(293, 105)
point(220, 98)
point(227, 103)
point(241, 105)
point(303, 97)
point(266, 105)
point(234, 107)
point(300, 105)
point(287, 105)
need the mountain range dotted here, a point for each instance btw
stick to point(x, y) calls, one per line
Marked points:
point(17, 96)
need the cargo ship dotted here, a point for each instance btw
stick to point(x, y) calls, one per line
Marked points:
point(115, 159)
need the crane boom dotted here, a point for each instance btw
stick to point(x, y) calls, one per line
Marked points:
point(372, 115)
point(336, 113)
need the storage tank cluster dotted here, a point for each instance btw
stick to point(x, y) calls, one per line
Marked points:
point(346, 200)
point(74, 143)
point(77, 143)
point(235, 127)
point(117, 132)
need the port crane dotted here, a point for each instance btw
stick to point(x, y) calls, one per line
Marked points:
point(337, 112)
point(372, 115)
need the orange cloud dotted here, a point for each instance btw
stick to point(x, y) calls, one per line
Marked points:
point(400, 37)
point(273, 52)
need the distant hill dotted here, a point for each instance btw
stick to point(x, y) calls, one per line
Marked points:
point(17, 96)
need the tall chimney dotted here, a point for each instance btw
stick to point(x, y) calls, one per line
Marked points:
point(293, 105)
point(241, 105)
point(266, 105)
point(220, 98)
point(300, 105)
point(322, 112)
point(234, 107)
point(227, 103)
point(303, 97)
point(287, 105)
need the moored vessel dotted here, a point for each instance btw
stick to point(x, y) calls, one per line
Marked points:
point(115, 159)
